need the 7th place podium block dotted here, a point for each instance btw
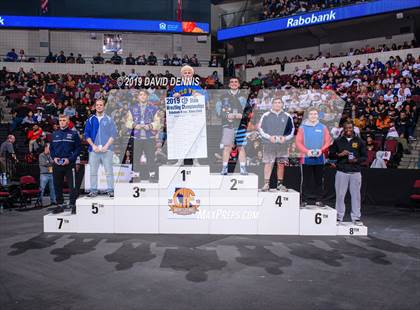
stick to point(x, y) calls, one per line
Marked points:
point(191, 200)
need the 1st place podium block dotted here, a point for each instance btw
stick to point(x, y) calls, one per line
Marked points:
point(184, 196)
point(316, 220)
point(186, 176)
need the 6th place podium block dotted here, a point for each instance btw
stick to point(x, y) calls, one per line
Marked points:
point(191, 200)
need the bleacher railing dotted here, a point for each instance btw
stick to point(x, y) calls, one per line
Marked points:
point(89, 60)
point(80, 69)
point(289, 68)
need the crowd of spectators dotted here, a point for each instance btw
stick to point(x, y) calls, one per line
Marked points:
point(381, 98)
point(37, 99)
point(116, 59)
point(378, 97)
point(282, 8)
point(353, 51)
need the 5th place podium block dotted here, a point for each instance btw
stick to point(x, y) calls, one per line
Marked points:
point(191, 200)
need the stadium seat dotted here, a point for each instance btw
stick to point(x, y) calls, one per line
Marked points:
point(415, 197)
point(371, 155)
point(29, 189)
point(392, 146)
point(4, 198)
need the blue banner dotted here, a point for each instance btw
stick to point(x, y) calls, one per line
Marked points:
point(38, 22)
point(319, 17)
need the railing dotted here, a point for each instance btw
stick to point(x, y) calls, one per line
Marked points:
point(89, 60)
point(80, 69)
point(289, 68)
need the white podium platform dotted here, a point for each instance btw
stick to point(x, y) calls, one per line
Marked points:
point(190, 200)
point(95, 215)
point(316, 220)
point(144, 194)
point(234, 189)
point(62, 223)
point(349, 229)
point(279, 213)
point(133, 218)
point(136, 208)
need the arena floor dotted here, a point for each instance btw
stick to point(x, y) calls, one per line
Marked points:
point(50, 271)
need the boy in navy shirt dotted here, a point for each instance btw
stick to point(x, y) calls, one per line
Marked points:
point(65, 148)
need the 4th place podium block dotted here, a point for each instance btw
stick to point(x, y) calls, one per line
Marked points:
point(191, 200)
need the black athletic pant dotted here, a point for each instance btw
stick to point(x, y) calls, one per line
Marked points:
point(68, 171)
point(148, 147)
point(312, 190)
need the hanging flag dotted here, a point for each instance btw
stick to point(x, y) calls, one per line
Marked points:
point(179, 10)
point(44, 6)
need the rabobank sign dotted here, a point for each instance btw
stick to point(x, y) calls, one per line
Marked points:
point(367, 8)
point(313, 19)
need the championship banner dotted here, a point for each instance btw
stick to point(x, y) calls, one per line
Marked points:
point(122, 173)
point(186, 127)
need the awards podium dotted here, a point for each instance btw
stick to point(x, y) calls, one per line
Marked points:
point(191, 200)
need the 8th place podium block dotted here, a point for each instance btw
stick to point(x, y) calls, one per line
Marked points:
point(191, 200)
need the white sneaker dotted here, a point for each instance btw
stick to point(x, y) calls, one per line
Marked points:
point(265, 188)
point(180, 162)
point(358, 223)
point(282, 188)
point(196, 163)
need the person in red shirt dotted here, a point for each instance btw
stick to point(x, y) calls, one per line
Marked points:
point(393, 72)
point(33, 136)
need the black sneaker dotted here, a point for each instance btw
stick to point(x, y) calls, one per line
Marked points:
point(339, 222)
point(38, 203)
point(111, 194)
point(73, 209)
point(92, 194)
point(58, 209)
